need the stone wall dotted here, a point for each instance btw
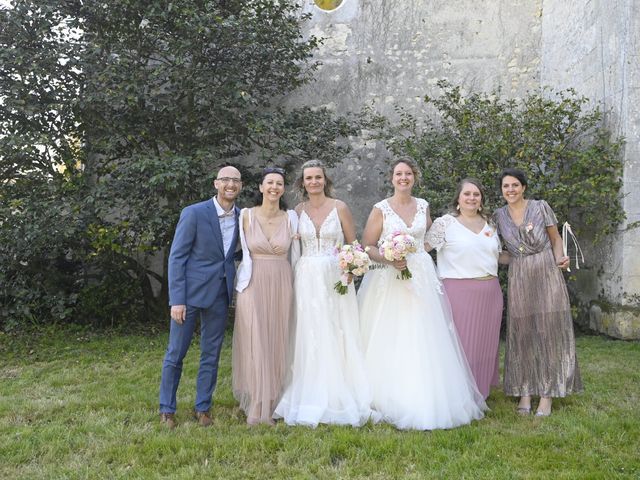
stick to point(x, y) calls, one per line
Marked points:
point(593, 46)
point(385, 53)
point(391, 53)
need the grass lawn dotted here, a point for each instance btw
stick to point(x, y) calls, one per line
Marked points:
point(78, 405)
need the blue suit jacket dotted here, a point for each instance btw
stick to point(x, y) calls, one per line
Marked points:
point(197, 264)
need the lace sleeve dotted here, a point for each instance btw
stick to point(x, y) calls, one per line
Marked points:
point(383, 206)
point(422, 204)
point(435, 235)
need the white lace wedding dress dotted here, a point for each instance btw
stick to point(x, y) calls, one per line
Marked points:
point(418, 374)
point(327, 379)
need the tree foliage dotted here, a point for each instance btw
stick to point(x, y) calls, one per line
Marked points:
point(571, 159)
point(115, 115)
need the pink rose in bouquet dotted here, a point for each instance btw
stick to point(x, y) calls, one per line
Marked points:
point(352, 260)
point(397, 246)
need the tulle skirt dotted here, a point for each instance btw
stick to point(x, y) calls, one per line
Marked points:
point(418, 373)
point(327, 381)
point(260, 337)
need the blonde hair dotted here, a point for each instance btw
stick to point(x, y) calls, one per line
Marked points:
point(299, 183)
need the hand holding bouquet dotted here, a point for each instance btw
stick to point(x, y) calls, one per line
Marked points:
point(353, 260)
point(397, 246)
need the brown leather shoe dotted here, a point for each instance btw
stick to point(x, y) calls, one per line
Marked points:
point(169, 420)
point(204, 419)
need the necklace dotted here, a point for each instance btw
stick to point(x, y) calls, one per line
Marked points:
point(270, 218)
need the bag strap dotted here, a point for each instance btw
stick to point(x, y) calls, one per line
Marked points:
point(566, 234)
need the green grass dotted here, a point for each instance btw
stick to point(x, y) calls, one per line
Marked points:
point(78, 405)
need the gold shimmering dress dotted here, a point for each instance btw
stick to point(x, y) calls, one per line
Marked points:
point(540, 356)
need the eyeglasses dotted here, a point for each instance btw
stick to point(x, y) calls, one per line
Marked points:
point(229, 180)
point(277, 170)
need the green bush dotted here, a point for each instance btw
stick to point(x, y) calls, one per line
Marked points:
point(40, 237)
point(572, 160)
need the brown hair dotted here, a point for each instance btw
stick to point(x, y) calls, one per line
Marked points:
point(456, 195)
point(410, 162)
point(515, 173)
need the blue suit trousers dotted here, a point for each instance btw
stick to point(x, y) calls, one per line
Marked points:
point(213, 321)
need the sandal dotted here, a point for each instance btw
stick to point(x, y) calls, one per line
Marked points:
point(523, 411)
point(541, 412)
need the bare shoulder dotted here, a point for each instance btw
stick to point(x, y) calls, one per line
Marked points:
point(376, 216)
point(342, 206)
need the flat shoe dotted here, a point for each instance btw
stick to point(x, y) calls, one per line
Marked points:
point(542, 414)
point(523, 411)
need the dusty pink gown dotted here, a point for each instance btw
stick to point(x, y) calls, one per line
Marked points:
point(261, 330)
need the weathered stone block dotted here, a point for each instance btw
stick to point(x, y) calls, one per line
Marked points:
point(616, 321)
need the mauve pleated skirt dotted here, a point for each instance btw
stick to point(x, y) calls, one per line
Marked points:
point(477, 314)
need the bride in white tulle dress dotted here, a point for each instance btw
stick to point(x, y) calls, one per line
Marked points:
point(327, 380)
point(417, 370)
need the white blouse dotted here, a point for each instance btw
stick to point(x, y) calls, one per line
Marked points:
point(461, 252)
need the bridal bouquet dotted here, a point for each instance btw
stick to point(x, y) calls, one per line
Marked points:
point(397, 246)
point(353, 260)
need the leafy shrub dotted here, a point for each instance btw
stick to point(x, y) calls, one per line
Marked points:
point(108, 130)
point(40, 237)
point(571, 159)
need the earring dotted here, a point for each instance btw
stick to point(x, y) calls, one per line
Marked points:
point(458, 207)
point(479, 209)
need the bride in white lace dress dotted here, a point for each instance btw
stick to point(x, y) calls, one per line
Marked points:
point(327, 380)
point(418, 373)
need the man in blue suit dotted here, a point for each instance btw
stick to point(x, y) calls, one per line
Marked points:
point(201, 276)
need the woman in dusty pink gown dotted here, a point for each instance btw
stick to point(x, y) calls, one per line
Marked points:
point(264, 301)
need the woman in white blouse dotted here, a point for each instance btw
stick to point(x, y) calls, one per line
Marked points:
point(468, 250)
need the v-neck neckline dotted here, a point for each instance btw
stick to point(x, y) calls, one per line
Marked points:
point(468, 229)
point(255, 217)
point(413, 220)
point(315, 227)
point(524, 215)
